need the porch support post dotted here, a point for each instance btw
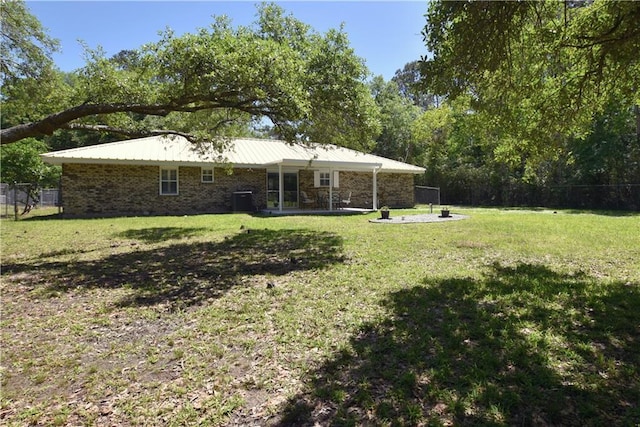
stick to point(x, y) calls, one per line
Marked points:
point(330, 189)
point(375, 189)
point(280, 188)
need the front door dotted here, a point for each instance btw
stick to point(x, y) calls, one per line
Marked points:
point(290, 180)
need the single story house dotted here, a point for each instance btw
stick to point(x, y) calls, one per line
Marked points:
point(163, 175)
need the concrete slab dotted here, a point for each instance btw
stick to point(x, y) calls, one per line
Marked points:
point(412, 219)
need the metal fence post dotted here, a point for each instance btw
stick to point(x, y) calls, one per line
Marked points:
point(15, 200)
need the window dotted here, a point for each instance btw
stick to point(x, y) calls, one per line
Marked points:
point(323, 179)
point(168, 181)
point(207, 175)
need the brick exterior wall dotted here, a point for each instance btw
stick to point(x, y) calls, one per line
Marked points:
point(110, 190)
point(394, 189)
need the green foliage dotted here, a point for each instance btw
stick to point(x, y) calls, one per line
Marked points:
point(340, 107)
point(408, 80)
point(29, 99)
point(432, 130)
point(397, 114)
point(476, 161)
point(549, 89)
point(25, 48)
point(540, 69)
point(573, 53)
point(21, 163)
point(310, 86)
point(610, 154)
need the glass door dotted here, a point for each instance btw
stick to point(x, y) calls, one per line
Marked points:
point(290, 189)
point(290, 180)
point(273, 189)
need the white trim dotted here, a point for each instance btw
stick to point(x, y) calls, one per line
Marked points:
point(318, 178)
point(375, 189)
point(177, 181)
point(325, 178)
point(323, 164)
point(330, 190)
point(280, 188)
point(344, 166)
point(202, 175)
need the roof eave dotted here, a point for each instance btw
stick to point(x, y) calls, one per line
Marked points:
point(315, 163)
point(55, 160)
point(310, 164)
point(413, 171)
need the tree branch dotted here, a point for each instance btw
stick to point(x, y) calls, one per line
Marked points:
point(136, 133)
point(141, 133)
point(61, 120)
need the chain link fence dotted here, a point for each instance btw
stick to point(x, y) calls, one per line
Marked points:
point(606, 196)
point(18, 198)
point(571, 196)
point(427, 195)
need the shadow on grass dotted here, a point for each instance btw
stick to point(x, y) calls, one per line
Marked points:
point(161, 234)
point(189, 273)
point(522, 346)
point(570, 211)
point(619, 213)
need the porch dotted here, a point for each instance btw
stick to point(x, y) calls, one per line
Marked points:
point(320, 190)
point(313, 211)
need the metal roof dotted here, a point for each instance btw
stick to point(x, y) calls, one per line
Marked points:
point(242, 152)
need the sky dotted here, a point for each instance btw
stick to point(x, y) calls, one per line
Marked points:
point(386, 34)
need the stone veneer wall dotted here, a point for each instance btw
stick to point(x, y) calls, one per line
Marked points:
point(105, 190)
point(394, 189)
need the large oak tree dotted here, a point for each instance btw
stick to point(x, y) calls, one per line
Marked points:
point(541, 70)
point(25, 47)
point(309, 85)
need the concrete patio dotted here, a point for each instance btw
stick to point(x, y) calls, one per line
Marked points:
point(341, 211)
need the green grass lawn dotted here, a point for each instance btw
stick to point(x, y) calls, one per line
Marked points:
point(510, 317)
